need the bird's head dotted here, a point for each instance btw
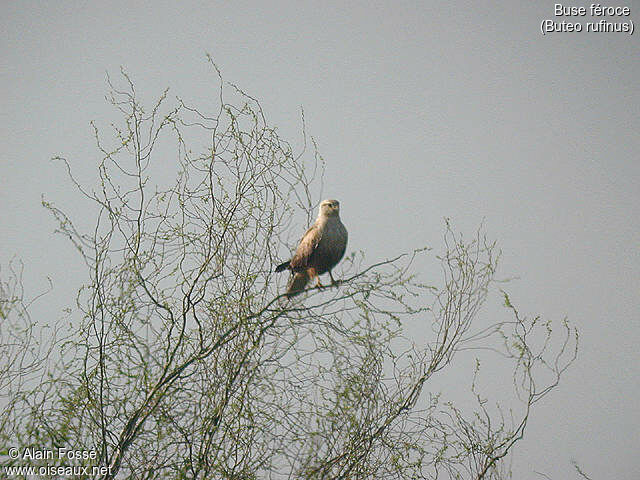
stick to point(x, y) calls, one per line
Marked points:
point(329, 208)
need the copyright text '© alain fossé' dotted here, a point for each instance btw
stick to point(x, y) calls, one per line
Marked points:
point(56, 462)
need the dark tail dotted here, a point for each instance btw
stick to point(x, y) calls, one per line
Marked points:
point(282, 266)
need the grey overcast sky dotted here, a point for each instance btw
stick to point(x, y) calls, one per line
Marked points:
point(422, 110)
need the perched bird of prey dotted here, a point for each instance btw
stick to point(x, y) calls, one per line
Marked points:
point(321, 248)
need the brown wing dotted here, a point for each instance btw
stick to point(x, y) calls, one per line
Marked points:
point(302, 258)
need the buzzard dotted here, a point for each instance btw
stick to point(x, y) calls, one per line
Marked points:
point(321, 248)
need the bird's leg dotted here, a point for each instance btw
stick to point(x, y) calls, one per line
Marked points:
point(313, 273)
point(333, 280)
